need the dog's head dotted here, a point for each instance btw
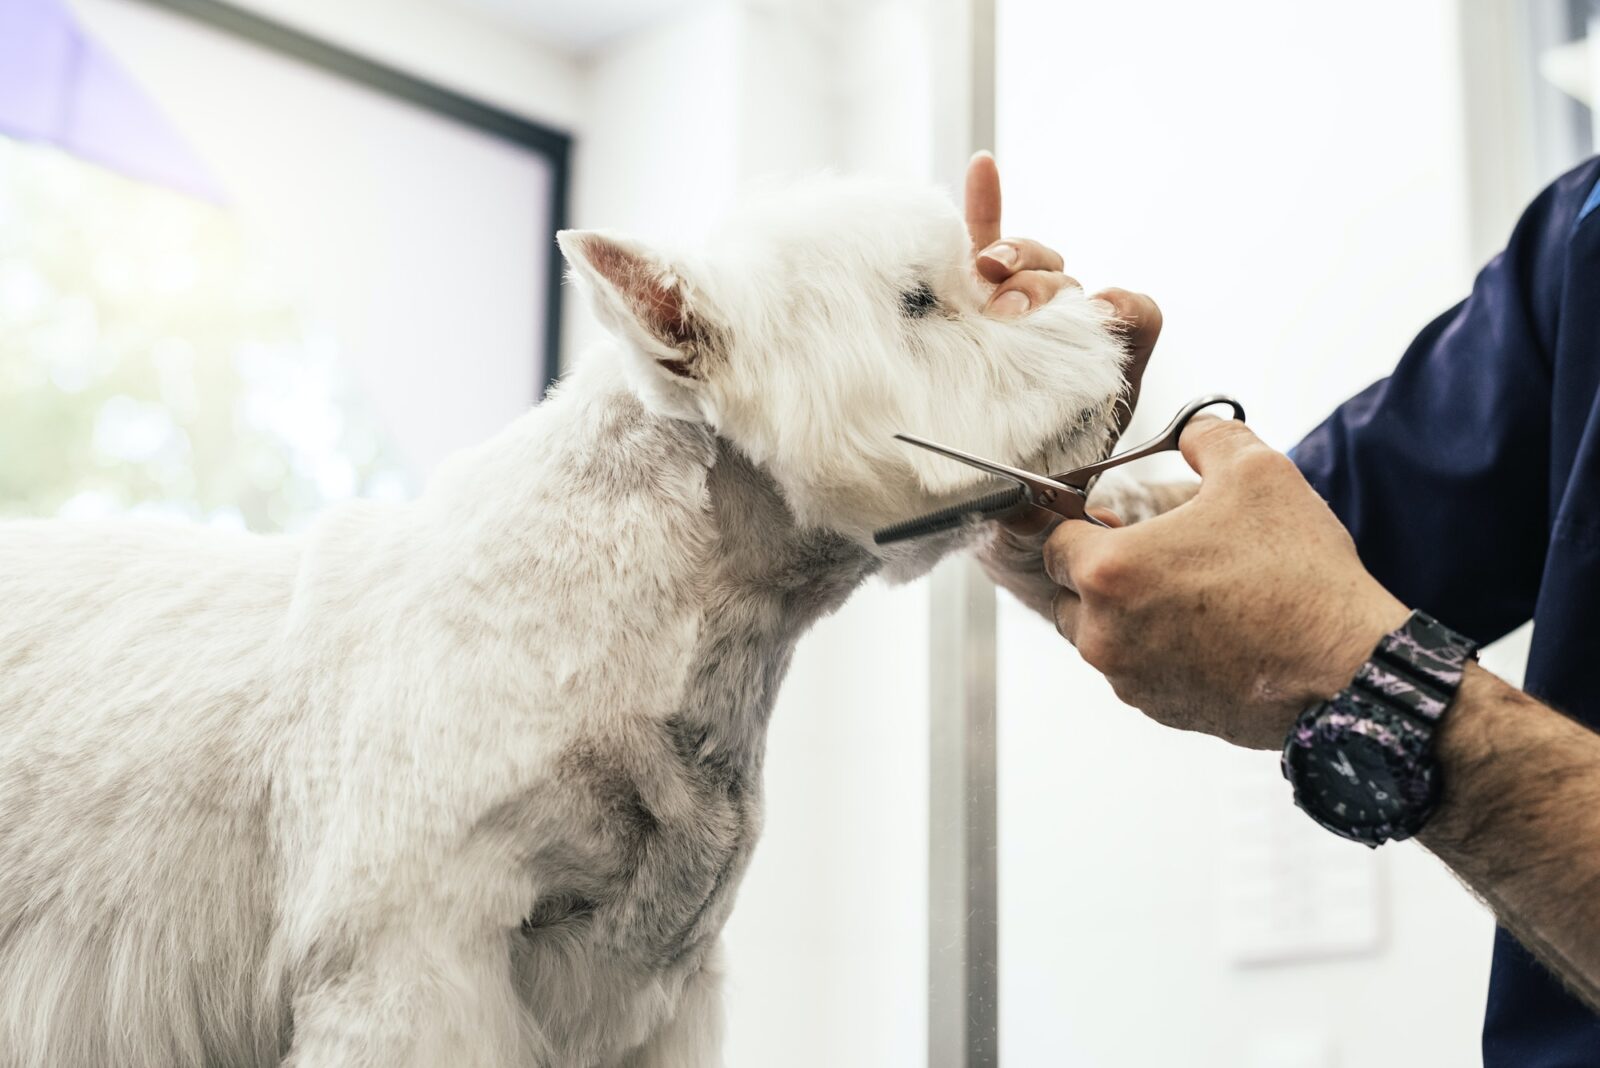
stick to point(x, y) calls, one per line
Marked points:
point(822, 320)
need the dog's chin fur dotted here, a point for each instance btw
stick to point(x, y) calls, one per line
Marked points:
point(474, 780)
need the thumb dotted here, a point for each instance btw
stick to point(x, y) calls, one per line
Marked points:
point(1210, 445)
point(1069, 545)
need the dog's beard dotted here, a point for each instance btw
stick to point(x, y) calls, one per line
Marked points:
point(1086, 438)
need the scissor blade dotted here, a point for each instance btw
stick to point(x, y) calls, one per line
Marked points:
point(1027, 479)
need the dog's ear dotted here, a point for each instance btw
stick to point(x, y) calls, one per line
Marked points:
point(649, 300)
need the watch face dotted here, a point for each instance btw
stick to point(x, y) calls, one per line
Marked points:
point(1353, 784)
point(1361, 771)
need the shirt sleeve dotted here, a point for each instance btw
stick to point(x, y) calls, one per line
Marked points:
point(1441, 470)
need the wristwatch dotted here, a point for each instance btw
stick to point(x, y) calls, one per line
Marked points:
point(1362, 762)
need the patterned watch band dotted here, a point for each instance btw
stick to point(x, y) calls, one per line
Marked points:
point(1417, 667)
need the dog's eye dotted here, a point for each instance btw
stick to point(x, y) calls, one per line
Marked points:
point(918, 301)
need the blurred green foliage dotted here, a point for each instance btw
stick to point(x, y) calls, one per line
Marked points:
point(149, 363)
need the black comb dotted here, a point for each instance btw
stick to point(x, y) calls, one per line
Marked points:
point(988, 506)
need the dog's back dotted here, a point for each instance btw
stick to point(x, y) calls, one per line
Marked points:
point(136, 870)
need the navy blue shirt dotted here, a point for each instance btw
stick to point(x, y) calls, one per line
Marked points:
point(1470, 479)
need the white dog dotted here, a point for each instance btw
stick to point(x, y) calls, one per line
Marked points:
point(472, 781)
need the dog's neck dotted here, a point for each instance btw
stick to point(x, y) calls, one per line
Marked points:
point(764, 581)
point(762, 554)
point(768, 582)
point(756, 550)
point(668, 524)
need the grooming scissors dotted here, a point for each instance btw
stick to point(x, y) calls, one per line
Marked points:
point(1062, 494)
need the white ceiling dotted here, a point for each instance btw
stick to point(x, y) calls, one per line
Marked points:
point(578, 25)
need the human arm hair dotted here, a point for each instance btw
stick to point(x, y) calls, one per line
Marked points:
point(1519, 822)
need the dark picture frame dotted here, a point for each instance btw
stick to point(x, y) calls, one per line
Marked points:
point(554, 145)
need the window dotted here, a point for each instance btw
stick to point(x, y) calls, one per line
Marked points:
point(243, 273)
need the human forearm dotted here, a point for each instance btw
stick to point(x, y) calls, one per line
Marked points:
point(1519, 822)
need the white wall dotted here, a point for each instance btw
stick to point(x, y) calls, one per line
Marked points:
point(657, 151)
point(1287, 180)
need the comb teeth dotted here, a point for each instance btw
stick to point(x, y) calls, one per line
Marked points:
point(949, 518)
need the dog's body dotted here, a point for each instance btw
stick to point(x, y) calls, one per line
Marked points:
point(472, 781)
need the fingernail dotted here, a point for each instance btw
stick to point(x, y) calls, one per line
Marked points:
point(1003, 254)
point(1010, 304)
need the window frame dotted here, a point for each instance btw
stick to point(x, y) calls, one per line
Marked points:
point(547, 142)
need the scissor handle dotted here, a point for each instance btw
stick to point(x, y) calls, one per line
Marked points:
point(1166, 441)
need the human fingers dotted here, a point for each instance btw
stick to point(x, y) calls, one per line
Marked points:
point(1140, 316)
point(1141, 319)
point(1066, 609)
point(1216, 447)
point(1036, 522)
point(983, 201)
point(1072, 550)
point(1025, 291)
point(1002, 259)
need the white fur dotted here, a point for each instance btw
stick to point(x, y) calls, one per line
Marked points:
point(272, 797)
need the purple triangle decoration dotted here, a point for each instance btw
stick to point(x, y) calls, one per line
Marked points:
point(60, 86)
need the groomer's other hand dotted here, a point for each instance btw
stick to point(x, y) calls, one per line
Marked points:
point(1232, 612)
point(1027, 275)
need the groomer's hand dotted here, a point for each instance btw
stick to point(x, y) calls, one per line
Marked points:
point(1027, 275)
point(1232, 612)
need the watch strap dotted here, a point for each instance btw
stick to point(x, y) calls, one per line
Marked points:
point(1417, 668)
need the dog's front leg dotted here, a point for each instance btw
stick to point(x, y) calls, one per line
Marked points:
point(410, 998)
